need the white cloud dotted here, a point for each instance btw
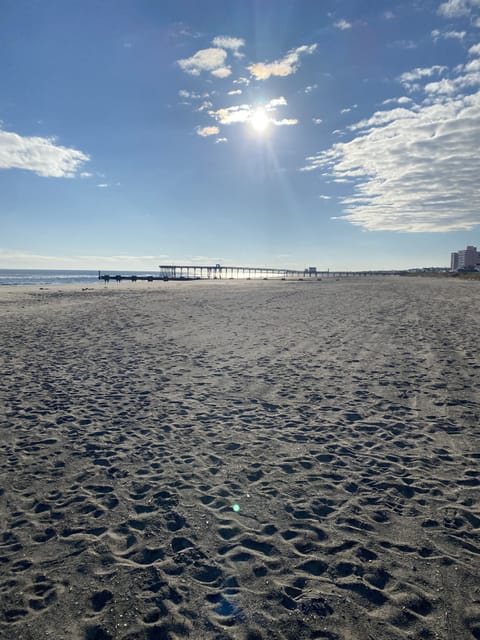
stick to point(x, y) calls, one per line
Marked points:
point(457, 8)
point(243, 112)
point(207, 131)
point(448, 35)
point(389, 15)
point(442, 86)
point(275, 102)
point(232, 115)
point(283, 67)
point(343, 25)
point(103, 185)
point(473, 66)
point(285, 122)
point(317, 120)
point(475, 50)
point(183, 93)
point(222, 72)
point(468, 76)
point(399, 100)
point(404, 44)
point(325, 197)
point(40, 155)
point(227, 42)
point(410, 78)
point(310, 88)
point(206, 104)
point(381, 118)
point(204, 60)
point(219, 140)
point(415, 170)
point(234, 92)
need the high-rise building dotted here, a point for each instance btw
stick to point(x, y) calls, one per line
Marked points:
point(454, 261)
point(468, 259)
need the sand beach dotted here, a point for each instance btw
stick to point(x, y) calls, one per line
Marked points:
point(238, 460)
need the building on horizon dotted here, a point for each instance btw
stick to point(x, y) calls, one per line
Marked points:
point(465, 260)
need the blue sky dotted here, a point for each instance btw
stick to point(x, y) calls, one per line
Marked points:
point(342, 134)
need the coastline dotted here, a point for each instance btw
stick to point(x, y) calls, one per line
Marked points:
point(240, 460)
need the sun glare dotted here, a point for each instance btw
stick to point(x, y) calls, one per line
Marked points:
point(259, 120)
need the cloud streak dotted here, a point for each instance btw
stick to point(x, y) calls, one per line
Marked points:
point(283, 67)
point(414, 169)
point(40, 155)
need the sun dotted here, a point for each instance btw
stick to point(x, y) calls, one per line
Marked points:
point(259, 120)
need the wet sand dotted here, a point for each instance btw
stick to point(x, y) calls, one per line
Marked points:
point(240, 460)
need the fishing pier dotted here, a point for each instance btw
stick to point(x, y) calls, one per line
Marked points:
point(219, 272)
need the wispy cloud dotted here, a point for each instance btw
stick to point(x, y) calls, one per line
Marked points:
point(40, 155)
point(275, 102)
point(183, 93)
point(414, 168)
point(404, 44)
point(448, 35)
point(343, 25)
point(399, 100)
point(205, 132)
point(283, 67)
point(410, 78)
point(285, 122)
point(206, 104)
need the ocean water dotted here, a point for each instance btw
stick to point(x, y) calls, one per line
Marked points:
point(57, 276)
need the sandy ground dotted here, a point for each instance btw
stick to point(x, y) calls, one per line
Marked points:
point(240, 460)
